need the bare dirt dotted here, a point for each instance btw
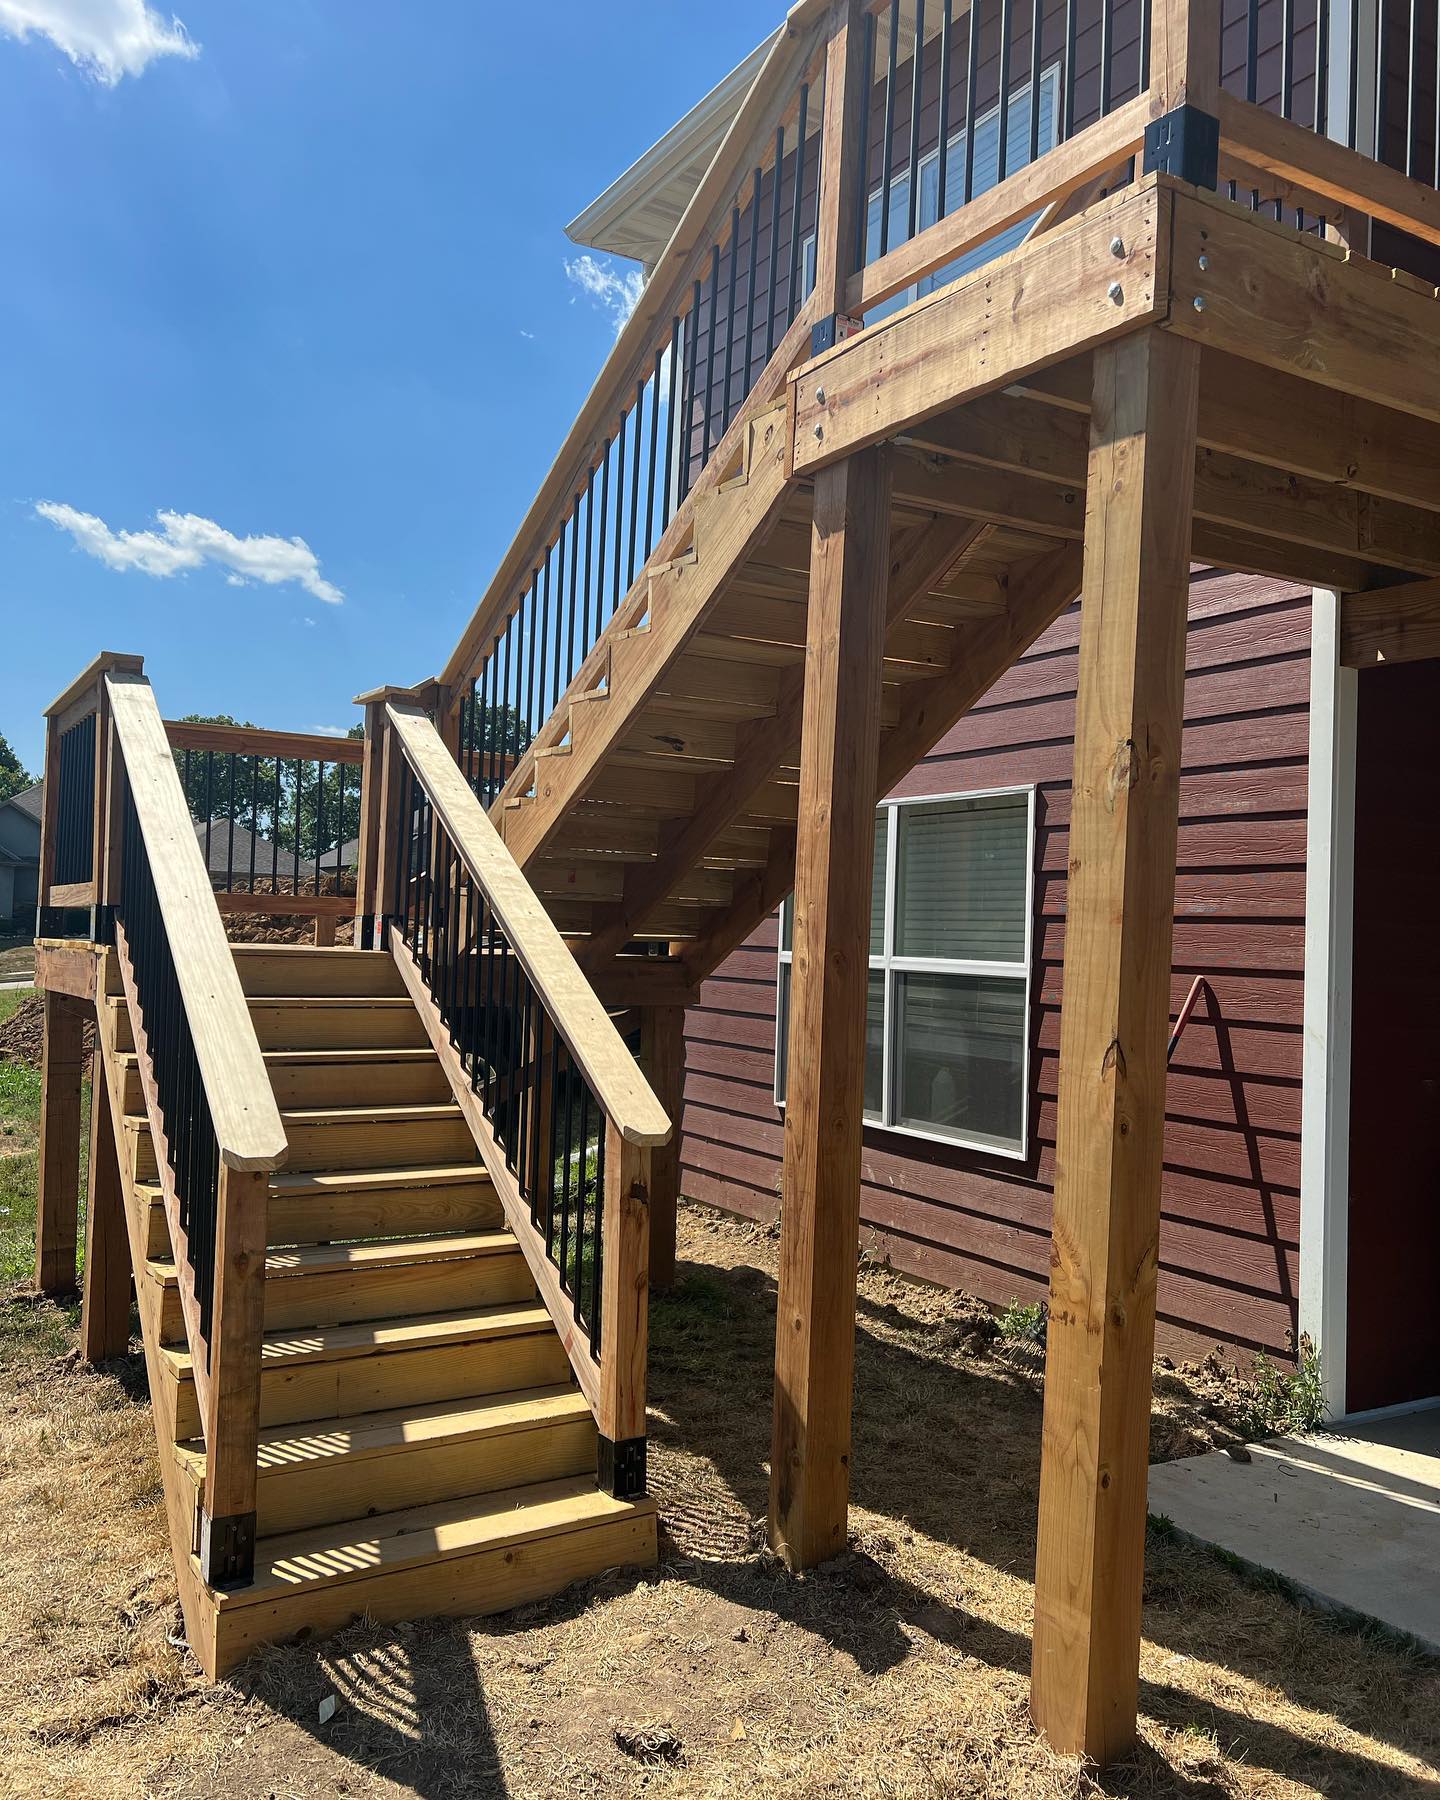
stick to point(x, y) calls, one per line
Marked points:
point(899, 1670)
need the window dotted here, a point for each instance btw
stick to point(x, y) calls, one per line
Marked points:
point(947, 1023)
point(987, 174)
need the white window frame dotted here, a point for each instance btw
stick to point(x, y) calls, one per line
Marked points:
point(889, 965)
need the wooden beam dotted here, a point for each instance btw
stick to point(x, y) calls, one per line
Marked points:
point(1184, 56)
point(662, 1056)
point(105, 1313)
point(232, 1423)
point(58, 1196)
point(253, 740)
point(1130, 710)
point(819, 1243)
point(1267, 294)
point(1390, 625)
point(625, 1300)
point(1044, 302)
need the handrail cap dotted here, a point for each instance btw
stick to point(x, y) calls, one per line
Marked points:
point(107, 662)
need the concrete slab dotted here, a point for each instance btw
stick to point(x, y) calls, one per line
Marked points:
point(1350, 1517)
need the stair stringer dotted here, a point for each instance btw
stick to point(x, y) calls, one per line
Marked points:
point(196, 1604)
point(728, 523)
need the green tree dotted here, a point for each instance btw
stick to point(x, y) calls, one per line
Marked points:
point(495, 728)
point(14, 778)
point(286, 802)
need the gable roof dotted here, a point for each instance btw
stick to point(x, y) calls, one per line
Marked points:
point(237, 861)
point(30, 801)
point(639, 210)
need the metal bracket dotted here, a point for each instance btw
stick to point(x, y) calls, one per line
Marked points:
point(832, 331)
point(367, 932)
point(621, 1470)
point(1185, 143)
point(226, 1549)
point(52, 922)
point(102, 924)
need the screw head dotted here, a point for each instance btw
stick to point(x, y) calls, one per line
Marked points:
point(819, 432)
point(1117, 246)
point(1204, 260)
point(1199, 303)
point(819, 396)
point(1116, 292)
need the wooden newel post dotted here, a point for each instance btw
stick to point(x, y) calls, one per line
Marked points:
point(662, 1056)
point(226, 1521)
point(820, 1220)
point(105, 1314)
point(58, 1201)
point(624, 1315)
point(372, 802)
point(1114, 1019)
point(842, 173)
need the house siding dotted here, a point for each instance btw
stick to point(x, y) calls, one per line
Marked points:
point(1230, 1200)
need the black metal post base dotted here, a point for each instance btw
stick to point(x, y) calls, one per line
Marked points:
point(827, 333)
point(622, 1467)
point(1185, 143)
point(227, 1549)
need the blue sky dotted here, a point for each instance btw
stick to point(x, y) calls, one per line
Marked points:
point(301, 275)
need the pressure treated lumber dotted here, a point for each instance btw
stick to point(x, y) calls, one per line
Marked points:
point(237, 1092)
point(58, 1196)
point(1114, 1017)
point(1390, 625)
point(662, 1056)
point(815, 1317)
point(105, 1311)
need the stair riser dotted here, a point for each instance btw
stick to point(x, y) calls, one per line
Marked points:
point(300, 1495)
point(301, 1086)
point(319, 1027)
point(340, 1218)
point(384, 1144)
point(358, 1384)
point(296, 1301)
point(347, 972)
point(490, 1581)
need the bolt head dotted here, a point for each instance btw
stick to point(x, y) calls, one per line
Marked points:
point(1117, 246)
point(1116, 292)
point(1199, 303)
point(1204, 260)
point(819, 396)
point(819, 432)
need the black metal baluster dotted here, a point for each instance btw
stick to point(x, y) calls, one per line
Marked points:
point(638, 415)
point(712, 325)
point(1252, 48)
point(604, 527)
point(772, 274)
point(972, 77)
point(942, 172)
point(862, 188)
point(752, 252)
point(1382, 79)
point(730, 318)
point(1007, 21)
point(615, 588)
point(589, 584)
point(572, 661)
point(655, 375)
point(544, 633)
point(670, 417)
point(1037, 34)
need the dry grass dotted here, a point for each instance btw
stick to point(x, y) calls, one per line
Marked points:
point(900, 1670)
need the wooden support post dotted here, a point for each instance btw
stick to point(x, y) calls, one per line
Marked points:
point(372, 793)
point(842, 170)
point(624, 1314)
point(232, 1427)
point(662, 1057)
point(324, 930)
point(1114, 1018)
point(1184, 55)
point(105, 1313)
point(58, 1200)
point(820, 1222)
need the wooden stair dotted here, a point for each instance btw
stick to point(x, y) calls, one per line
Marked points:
point(661, 798)
point(423, 1447)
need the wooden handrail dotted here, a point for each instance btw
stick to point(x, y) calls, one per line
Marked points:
point(237, 1088)
point(598, 1049)
point(791, 49)
point(254, 740)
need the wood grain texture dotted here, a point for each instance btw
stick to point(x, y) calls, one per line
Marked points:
point(568, 998)
point(1390, 625)
point(58, 1195)
point(1095, 1443)
point(815, 1316)
point(237, 1089)
point(625, 1289)
point(105, 1310)
point(662, 1055)
point(252, 740)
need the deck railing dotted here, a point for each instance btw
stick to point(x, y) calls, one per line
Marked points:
point(277, 815)
point(214, 1124)
point(562, 1115)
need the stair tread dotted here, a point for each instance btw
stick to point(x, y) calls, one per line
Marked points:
point(371, 1253)
point(284, 1184)
point(327, 1554)
point(283, 1447)
point(333, 1343)
point(379, 1114)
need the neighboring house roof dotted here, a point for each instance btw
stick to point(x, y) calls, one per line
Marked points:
point(9, 857)
point(223, 858)
point(30, 801)
point(636, 214)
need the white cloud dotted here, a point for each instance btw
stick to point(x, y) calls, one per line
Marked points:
point(616, 291)
point(186, 541)
point(106, 38)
